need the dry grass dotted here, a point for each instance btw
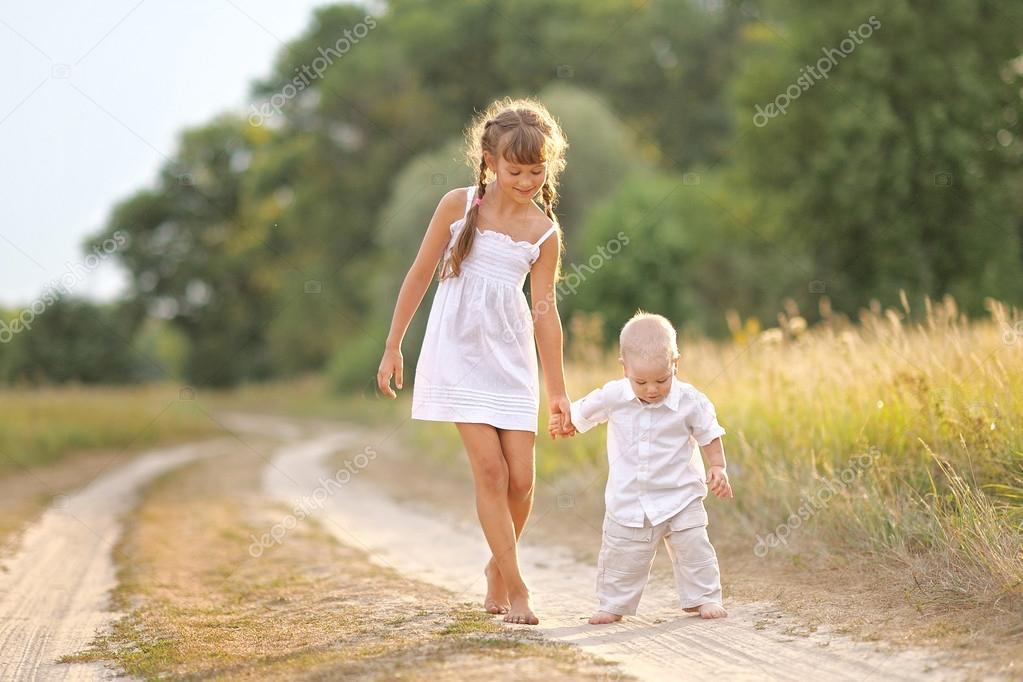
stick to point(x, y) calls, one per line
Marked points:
point(916, 427)
point(931, 515)
point(200, 606)
point(39, 426)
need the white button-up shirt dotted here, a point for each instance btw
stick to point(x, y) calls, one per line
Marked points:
point(652, 471)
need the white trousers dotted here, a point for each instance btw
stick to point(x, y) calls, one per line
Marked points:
point(626, 555)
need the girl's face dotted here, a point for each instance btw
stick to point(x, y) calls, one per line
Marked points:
point(521, 182)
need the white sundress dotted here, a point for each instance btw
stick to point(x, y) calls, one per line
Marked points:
point(478, 360)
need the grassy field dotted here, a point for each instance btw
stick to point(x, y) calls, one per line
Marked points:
point(54, 440)
point(897, 438)
point(39, 426)
point(889, 439)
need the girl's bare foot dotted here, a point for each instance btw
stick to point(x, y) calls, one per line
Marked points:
point(520, 612)
point(604, 617)
point(496, 601)
point(708, 610)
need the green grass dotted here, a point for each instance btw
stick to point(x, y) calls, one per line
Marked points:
point(308, 396)
point(936, 406)
point(38, 426)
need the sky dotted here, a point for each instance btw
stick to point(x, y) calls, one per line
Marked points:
point(94, 97)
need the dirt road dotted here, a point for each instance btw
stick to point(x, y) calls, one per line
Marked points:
point(54, 589)
point(750, 644)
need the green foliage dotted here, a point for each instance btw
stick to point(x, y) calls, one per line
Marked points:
point(275, 242)
point(683, 247)
point(72, 340)
point(900, 169)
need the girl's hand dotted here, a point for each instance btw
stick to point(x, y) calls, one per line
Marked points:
point(391, 363)
point(717, 481)
point(561, 409)
point(554, 426)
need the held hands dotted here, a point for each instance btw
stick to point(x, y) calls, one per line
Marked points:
point(391, 363)
point(560, 423)
point(717, 481)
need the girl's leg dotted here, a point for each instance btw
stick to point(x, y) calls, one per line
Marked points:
point(519, 453)
point(491, 477)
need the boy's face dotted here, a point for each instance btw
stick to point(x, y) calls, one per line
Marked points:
point(650, 379)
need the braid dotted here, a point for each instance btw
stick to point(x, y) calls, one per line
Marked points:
point(521, 131)
point(481, 181)
point(453, 265)
point(549, 198)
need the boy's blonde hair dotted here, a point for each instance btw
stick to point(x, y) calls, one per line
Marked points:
point(649, 336)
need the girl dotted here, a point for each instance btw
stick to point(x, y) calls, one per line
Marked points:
point(478, 367)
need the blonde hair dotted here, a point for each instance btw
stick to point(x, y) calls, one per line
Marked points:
point(649, 336)
point(523, 132)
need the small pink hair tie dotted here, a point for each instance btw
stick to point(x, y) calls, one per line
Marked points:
point(476, 201)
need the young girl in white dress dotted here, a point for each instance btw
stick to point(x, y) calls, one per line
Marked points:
point(477, 367)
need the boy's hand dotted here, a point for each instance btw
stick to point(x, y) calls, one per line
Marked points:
point(717, 481)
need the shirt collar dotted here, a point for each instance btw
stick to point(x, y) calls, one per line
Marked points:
point(672, 400)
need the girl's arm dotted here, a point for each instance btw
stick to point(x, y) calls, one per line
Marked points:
point(417, 281)
point(548, 330)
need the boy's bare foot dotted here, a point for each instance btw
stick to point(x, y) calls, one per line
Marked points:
point(604, 617)
point(496, 601)
point(708, 610)
point(520, 612)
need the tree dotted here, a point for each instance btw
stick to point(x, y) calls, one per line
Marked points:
point(75, 340)
point(898, 170)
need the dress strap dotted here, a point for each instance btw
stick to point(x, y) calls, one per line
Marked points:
point(546, 234)
point(468, 199)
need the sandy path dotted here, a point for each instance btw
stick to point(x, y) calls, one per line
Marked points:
point(659, 644)
point(54, 590)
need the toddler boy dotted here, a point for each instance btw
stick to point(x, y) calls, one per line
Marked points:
point(655, 485)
